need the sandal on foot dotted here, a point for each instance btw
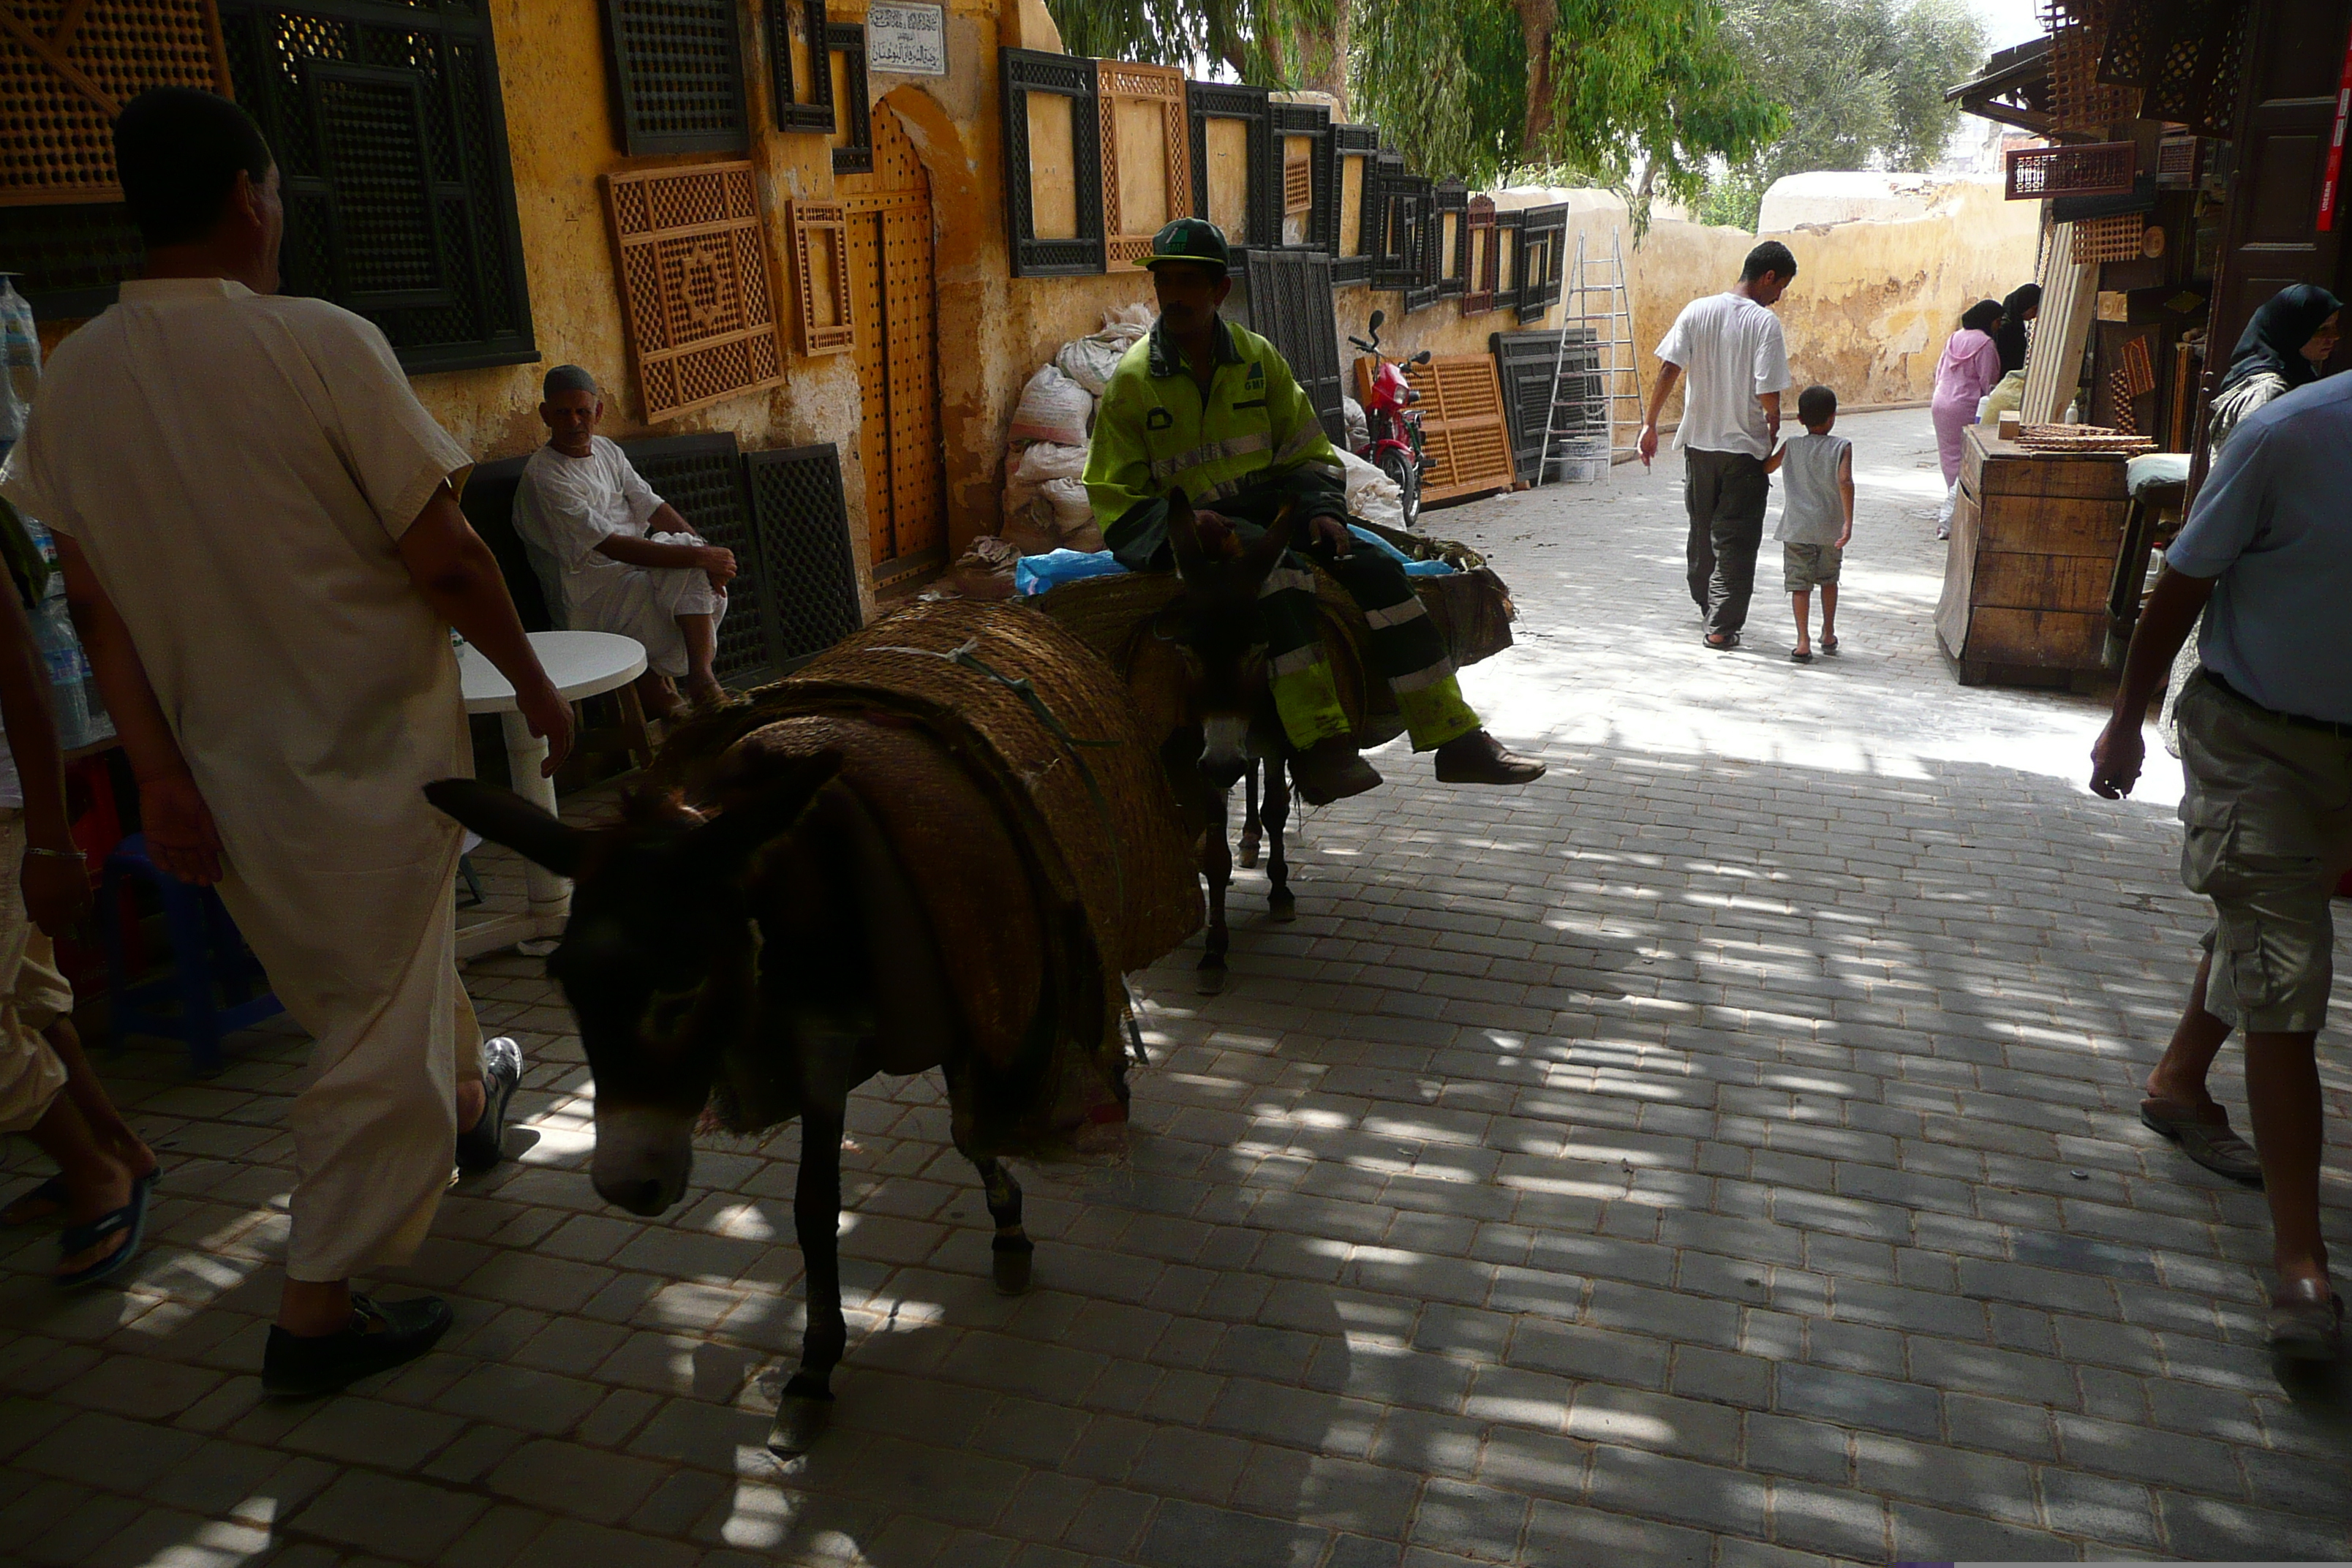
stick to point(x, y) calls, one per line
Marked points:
point(2306, 1321)
point(1800, 655)
point(1729, 641)
point(34, 1205)
point(129, 1220)
point(1828, 644)
point(2210, 1143)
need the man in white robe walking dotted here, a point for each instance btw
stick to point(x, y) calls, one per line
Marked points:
point(622, 558)
point(263, 549)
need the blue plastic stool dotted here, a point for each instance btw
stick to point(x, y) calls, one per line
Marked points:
point(207, 951)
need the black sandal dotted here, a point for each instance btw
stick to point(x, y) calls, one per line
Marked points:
point(1801, 655)
point(1730, 640)
point(129, 1220)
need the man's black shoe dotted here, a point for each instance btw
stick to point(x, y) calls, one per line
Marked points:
point(479, 1146)
point(381, 1335)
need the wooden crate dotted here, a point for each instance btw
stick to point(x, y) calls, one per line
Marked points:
point(2033, 548)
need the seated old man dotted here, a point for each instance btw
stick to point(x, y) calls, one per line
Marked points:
point(622, 558)
point(1210, 408)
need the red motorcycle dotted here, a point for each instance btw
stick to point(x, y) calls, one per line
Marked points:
point(1391, 423)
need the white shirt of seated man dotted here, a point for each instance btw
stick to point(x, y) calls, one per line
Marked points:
point(626, 562)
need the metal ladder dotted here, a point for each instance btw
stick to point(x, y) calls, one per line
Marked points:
point(1585, 396)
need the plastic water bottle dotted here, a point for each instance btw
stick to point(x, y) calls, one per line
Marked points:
point(20, 346)
point(68, 672)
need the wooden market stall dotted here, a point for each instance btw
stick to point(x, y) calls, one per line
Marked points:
point(2034, 536)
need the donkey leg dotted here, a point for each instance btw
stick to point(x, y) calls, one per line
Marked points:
point(806, 1405)
point(1247, 858)
point(1217, 866)
point(1012, 1245)
point(1279, 903)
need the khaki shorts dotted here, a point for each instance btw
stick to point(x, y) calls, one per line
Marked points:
point(33, 995)
point(2269, 816)
point(1805, 567)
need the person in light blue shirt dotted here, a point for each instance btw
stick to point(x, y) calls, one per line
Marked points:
point(2265, 730)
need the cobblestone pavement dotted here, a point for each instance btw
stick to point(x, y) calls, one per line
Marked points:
point(1721, 1153)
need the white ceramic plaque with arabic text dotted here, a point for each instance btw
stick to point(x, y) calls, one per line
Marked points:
point(907, 40)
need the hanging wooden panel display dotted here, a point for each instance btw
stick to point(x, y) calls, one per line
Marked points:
point(821, 272)
point(800, 81)
point(1543, 240)
point(1146, 156)
point(801, 523)
point(1310, 197)
point(1478, 267)
point(694, 285)
point(1511, 227)
point(1355, 149)
point(1450, 237)
point(1290, 307)
point(852, 134)
point(1051, 129)
point(1462, 423)
point(1236, 175)
point(66, 72)
point(678, 76)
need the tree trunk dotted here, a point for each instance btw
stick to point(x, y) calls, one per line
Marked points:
point(1319, 63)
point(1538, 21)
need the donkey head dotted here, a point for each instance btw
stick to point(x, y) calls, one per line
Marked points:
point(657, 959)
point(1216, 621)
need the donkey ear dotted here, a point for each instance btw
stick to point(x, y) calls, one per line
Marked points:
point(722, 847)
point(1184, 535)
point(504, 817)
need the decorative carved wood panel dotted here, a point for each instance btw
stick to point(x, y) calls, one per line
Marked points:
point(1245, 188)
point(852, 147)
point(1310, 185)
point(1354, 151)
point(800, 81)
point(1463, 422)
point(67, 66)
point(1031, 80)
point(1147, 160)
point(678, 76)
point(821, 271)
point(1478, 267)
point(694, 285)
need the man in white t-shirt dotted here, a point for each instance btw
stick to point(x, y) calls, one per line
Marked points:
point(622, 559)
point(1728, 345)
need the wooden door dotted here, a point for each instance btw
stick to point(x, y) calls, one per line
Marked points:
point(893, 301)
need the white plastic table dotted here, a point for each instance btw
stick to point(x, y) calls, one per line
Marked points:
point(581, 664)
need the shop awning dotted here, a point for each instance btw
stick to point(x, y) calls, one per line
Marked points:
point(2013, 87)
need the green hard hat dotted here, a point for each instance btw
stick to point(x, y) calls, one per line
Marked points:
point(1193, 240)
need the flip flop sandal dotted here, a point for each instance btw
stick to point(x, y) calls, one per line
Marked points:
point(131, 1220)
point(1800, 655)
point(1828, 644)
point(1730, 641)
point(49, 1198)
point(2212, 1145)
point(2304, 1328)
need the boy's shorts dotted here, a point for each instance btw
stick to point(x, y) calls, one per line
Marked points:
point(1805, 567)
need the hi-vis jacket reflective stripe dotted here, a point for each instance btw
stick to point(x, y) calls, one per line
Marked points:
point(1155, 431)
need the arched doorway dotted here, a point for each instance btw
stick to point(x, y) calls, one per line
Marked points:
point(893, 301)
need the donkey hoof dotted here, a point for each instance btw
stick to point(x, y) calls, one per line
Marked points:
point(1280, 905)
point(1011, 1270)
point(801, 1420)
point(1247, 858)
point(1209, 980)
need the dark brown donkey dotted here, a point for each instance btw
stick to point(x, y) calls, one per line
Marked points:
point(774, 954)
point(1203, 670)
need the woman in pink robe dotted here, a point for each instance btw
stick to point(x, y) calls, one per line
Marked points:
point(1970, 368)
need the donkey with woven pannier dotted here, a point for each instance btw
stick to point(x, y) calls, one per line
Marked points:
point(942, 845)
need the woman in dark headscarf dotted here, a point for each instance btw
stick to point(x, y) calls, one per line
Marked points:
point(2022, 305)
point(2281, 349)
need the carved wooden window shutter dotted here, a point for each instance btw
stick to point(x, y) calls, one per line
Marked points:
point(800, 81)
point(678, 76)
point(66, 72)
point(1147, 158)
point(1510, 230)
point(1236, 172)
point(1051, 128)
point(1354, 151)
point(821, 270)
point(694, 285)
point(1310, 195)
point(1542, 242)
point(853, 129)
point(1478, 259)
point(1449, 235)
point(1468, 442)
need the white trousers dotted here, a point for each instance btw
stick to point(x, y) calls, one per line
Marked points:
point(644, 603)
point(33, 995)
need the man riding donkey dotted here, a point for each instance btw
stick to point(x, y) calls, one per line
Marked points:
point(1209, 408)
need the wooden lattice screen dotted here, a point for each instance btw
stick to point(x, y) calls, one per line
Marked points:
point(1449, 232)
point(1147, 158)
point(1050, 121)
point(821, 271)
point(694, 285)
point(66, 72)
point(1461, 421)
point(1310, 194)
point(1355, 151)
point(800, 81)
point(1236, 177)
point(1478, 267)
point(678, 76)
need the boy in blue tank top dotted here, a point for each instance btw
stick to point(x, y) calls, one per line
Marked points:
point(1816, 473)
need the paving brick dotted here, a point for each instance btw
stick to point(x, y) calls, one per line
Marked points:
point(407, 1520)
point(1186, 1534)
point(567, 1478)
point(1908, 1409)
point(1706, 1495)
